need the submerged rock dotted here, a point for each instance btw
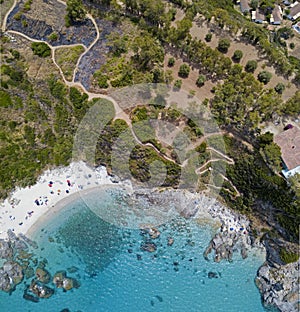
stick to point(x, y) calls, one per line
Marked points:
point(58, 278)
point(72, 269)
point(5, 282)
point(150, 247)
point(154, 233)
point(68, 283)
point(28, 272)
point(41, 290)
point(24, 255)
point(28, 241)
point(170, 241)
point(212, 275)
point(30, 297)
point(14, 271)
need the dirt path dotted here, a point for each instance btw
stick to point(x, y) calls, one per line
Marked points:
point(120, 114)
point(3, 28)
point(89, 48)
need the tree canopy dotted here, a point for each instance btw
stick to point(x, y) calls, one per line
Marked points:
point(75, 12)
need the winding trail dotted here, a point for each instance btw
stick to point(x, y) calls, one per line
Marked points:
point(119, 112)
point(89, 48)
point(3, 28)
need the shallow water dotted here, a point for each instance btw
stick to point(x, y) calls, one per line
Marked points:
point(116, 275)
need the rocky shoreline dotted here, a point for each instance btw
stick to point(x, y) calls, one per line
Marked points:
point(21, 265)
point(279, 286)
point(277, 282)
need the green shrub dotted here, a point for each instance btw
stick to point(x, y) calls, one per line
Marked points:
point(223, 45)
point(178, 84)
point(53, 36)
point(184, 71)
point(200, 81)
point(171, 62)
point(208, 37)
point(288, 257)
point(18, 16)
point(27, 6)
point(237, 55)
point(264, 76)
point(41, 49)
point(24, 23)
point(5, 99)
point(279, 88)
point(251, 66)
point(102, 81)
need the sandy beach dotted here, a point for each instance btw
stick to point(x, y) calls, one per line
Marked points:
point(53, 190)
point(28, 207)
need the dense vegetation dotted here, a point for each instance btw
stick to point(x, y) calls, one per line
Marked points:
point(39, 118)
point(260, 186)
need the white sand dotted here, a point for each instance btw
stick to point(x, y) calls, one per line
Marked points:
point(19, 212)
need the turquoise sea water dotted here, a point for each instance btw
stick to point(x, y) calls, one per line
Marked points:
point(116, 275)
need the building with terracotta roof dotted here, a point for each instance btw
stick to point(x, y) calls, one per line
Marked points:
point(289, 143)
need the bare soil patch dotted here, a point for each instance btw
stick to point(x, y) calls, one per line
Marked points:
point(189, 84)
point(178, 17)
point(199, 30)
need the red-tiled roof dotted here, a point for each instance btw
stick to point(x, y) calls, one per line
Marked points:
point(289, 142)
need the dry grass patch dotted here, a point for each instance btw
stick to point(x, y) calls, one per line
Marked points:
point(199, 30)
point(67, 58)
point(36, 67)
point(189, 84)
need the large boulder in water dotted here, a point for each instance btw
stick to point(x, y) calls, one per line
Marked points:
point(154, 233)
point(61, 280)
point(14, 270)
point(58, 278)
point(42, 275)
point(5, 282)
point(40, 290)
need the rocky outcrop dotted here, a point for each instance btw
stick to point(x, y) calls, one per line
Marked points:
point(6, 251)
point(61, 280)
point(42, 275)
point(224, 244)
point(279, 286)
point(40, 290)
point(21, 263)
point(10, 275)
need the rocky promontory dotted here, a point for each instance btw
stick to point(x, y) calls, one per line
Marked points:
point(279, 286)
